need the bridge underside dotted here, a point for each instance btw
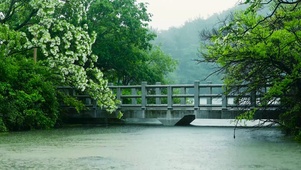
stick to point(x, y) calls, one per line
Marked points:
point(164, 117)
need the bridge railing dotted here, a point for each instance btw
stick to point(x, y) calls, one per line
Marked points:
point(194, 96)
point(181, 96)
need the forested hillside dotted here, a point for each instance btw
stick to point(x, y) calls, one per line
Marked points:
point(183, 44)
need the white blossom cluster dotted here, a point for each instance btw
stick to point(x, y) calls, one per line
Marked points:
point(68, 50)
point(10, 40)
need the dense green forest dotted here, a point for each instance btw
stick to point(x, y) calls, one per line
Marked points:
point(184, 45)
point(83, 44)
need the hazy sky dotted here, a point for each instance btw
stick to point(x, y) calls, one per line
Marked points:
point(168, 13)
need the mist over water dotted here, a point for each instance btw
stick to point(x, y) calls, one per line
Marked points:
point(149, 147)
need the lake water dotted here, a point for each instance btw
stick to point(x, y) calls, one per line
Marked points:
point(150, 148)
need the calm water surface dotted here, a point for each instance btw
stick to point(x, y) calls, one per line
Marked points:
point(149, 147)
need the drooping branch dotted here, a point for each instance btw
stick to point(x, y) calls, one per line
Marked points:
point(264, 19)
point(277, 6)
point(270, 1)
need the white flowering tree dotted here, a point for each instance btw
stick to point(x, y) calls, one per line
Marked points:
point(65, 47)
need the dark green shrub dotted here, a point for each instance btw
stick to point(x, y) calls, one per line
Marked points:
point(27, 95)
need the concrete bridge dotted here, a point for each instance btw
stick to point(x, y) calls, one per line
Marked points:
point(177, 104)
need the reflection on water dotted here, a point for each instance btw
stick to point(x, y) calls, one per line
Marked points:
point(149, 147)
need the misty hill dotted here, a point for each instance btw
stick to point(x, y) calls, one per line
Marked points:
point(183, 44)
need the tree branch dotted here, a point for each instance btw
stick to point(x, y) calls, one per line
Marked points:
point(9, 12)
point(33, 12)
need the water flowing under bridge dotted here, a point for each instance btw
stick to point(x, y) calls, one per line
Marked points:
point(177, 104)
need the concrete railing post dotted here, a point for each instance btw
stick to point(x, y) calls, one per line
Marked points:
point(143, 95)
point(224, 98)
point(169, 98)
point(118, 94)
point(209, 99)
point(196, 95)
point(134, 92)
point(158, 92)
point(183, 99)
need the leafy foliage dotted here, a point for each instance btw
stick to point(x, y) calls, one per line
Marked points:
point(63, 34)
point(27, 99)
point(158, 66)
point(68, 50)
point(64, 48)
point(70, 101)
point(259, 51)
point(123, 42)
